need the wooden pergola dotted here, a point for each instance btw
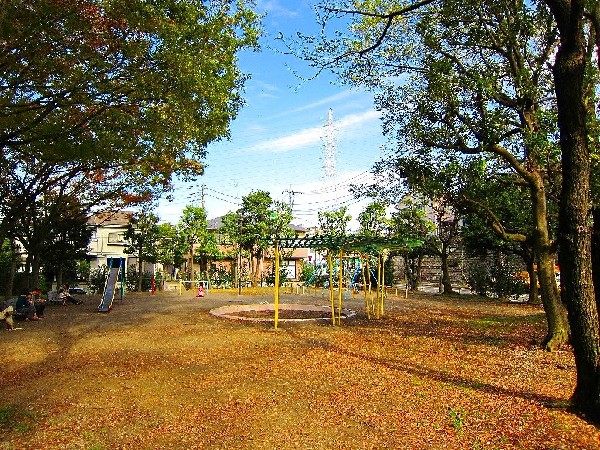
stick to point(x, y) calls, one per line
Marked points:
point(341, 244)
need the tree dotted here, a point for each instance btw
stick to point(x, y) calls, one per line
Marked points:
point(65, 237)
point(53, 233)
point(568, 69)
point(121, 95)
point(447, 222)
point(503, 116)
point(334, 223)
point(373, 220)
point(409, 222)
point(8, 267)
point(478, 86)
point(142, 235)
point(577, 287)
point(193, 231)
point(255, 225)
point(170, 249)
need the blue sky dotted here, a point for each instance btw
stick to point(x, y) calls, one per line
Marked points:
point(278, 139)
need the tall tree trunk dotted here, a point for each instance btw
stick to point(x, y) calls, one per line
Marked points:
point(534, 297)
point(556, 314)
point(59, 276)
point(10, 283)
point(191, 261)
point(140, 266)
point(446, 282)
point(410, 267)
point(35, 272)
point(596, 254)
point(574, 232)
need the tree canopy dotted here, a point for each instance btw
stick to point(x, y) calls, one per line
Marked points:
point(118, 95)
point(380, 42)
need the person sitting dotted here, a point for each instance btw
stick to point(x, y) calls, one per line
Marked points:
point(6, 315)
point(38, 302)
point(25, 308)
point(64, 295)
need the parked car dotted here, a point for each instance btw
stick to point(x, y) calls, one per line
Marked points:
point(77, 291)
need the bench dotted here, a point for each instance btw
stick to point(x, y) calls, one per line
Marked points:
point(53, 297)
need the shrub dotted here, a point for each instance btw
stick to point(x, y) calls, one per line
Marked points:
point(131, 282)
point(478, 277)
point(306, 271)
point(495, 277)
point(98, 279)
point(221, 276)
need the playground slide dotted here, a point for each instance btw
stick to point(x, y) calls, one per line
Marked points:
point(109, 290)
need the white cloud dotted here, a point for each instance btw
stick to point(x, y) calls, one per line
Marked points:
point(310, 136)
point(326, 101)
point(275, 8)
point(354, 119)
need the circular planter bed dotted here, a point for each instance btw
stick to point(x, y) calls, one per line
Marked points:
point(288, 312)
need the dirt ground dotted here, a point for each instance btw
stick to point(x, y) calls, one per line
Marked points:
point(160, 372)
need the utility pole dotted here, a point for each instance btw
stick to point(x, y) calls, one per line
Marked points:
point(291, 193)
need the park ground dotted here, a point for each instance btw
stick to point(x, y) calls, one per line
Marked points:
point(160, 372)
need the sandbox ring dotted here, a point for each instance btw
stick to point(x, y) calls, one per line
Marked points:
point(228, 312)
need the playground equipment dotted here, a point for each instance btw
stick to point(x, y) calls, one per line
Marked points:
point(115, 274)
point(370, 248)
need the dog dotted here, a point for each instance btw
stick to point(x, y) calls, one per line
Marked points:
point(7, 316)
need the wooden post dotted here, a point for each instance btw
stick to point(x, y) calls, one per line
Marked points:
point(330, 265)
point(276, 283)
point(340, 280)
point(367, 308)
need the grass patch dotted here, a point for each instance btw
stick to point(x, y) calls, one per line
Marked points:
point(504, 322)
point(17, 419)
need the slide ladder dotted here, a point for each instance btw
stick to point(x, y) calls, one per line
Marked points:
point(109, 290)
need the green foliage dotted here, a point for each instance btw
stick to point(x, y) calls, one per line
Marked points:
point(142, 236)
point(170, 247)
point(255, 225)
point(192, 232)
point(496, 277)
point(132, 282)
point(410, 222)
point(98, 279)
point(306, 271)
point(222, 277)
point(389, 274)
point(458, 418)
point(83, 269)
point(158, 280)
point(334, 223)
point(478, 277)
point(270, 276)
point(18, 419)
point(373, 220)
point(106, 101)
point(504, 283)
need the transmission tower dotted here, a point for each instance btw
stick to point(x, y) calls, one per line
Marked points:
point(329, 148)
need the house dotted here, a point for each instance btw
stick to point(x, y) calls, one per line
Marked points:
point(108, 243)
point(108, 238)
point(292, 260)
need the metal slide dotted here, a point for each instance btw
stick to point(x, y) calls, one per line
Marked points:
point(109, 290)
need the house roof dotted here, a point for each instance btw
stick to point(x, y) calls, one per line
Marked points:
point(110, 218)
